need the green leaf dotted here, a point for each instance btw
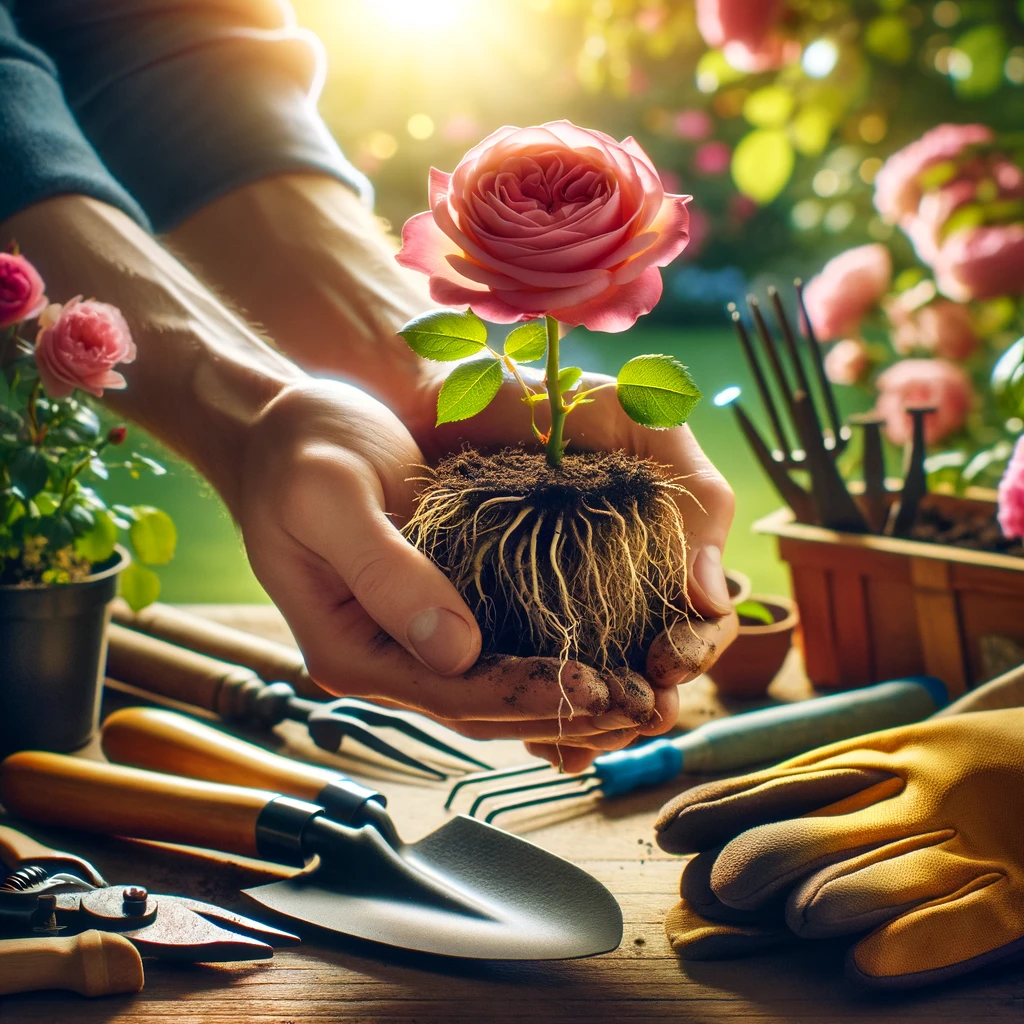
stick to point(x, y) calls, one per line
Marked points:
point(762, 164)
point(29, 472)
point(769, 107)
point(81, 519)
point(46, 502)
point(888, 37)
point(151, 464)
point(754, 610)
point(811, 129)
point(468, 390)
point(528, 343)
point(98, 544)
point(976, 65)
point(5, 389)
point(568, 378)
point(445, 334)
point(139, 586)
point(153, 535)
point(1008, 380)
point(657, 391)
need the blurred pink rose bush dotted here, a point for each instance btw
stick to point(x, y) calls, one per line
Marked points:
point(932, 382)
point(847, 289)
point(1011, 494)
point(554, 220)
point(747, 32)
point(847, 361)
point(21, 290)
point(940, 328)
point(78, 346)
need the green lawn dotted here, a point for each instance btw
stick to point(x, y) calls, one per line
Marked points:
point(210, 564)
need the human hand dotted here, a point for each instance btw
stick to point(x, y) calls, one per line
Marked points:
point(603, 426)
point(911, 835)
point(325, 482)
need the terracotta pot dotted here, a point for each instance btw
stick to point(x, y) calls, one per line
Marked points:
point(749, 664)
point(52, 651)
point(875, 608)
point(739, 585)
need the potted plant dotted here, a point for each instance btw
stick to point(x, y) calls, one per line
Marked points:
point(926, 582)
point(748, 665)
point(60, 556)
point(559, 551)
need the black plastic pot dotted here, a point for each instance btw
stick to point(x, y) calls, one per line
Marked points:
point(53, 649)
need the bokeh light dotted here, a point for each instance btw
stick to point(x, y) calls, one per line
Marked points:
point(820, 58)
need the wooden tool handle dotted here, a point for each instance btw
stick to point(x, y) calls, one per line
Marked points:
point(16, 847)
point(165, 741)
point(53, 789)
point(183, 675)
point(269, 660)
point(93, 963)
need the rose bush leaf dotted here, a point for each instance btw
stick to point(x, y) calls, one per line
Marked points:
point(657, 391)
point(468, 390)
point(29, 472)
point(445, 334)
point(528, 343)
point(153, 535)
point(97, 545)
point(139, 586)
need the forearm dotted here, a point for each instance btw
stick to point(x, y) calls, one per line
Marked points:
point(301, 255)
point(201, 376)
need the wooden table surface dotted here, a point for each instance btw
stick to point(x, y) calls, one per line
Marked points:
point(337, 979)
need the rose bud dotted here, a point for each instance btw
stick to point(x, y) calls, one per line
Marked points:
point(116, 435)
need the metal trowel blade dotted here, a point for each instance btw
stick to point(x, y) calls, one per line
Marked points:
point(530, 904)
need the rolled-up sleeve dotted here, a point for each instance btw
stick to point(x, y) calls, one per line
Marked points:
point(43, 152)
point(185, 100)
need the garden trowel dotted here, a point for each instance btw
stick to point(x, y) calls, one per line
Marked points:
point(467, 889)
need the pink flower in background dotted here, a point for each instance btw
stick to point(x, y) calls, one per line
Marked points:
point(847, 361)
point(745, 30)
point(712, 158)
point(21, 290)
point(846, 290)
point(554, 220)
point(940, 328)
point(1011, 494)
point(982, 263)
point(79, 345)
point(693, 124)
point(932, 382)
point(897, 185)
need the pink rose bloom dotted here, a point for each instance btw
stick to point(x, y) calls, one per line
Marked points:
point(745, 31)
point(940, 328)
point(847, 361)
point(21, 290)
point(846, 290)
point(1011, 494)
point(79, 345)
point(982, 263)
point(897, 185)
point(931, 382)
point(554, 220)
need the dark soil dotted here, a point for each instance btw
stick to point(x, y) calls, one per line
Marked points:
point(976, 532)
point(582, 478)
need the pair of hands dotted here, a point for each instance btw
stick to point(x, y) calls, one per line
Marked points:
point(328, 477)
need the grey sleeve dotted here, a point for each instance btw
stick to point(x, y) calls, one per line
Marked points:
point(185, 100)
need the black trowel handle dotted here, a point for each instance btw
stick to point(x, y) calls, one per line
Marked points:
point(164, 741)
point(71, 792)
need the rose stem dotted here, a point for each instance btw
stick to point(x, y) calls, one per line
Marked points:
point(555, 444)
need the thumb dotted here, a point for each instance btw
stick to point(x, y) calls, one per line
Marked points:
point(400, 589)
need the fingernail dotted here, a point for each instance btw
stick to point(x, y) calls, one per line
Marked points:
point(442, 640)
point(614, 720)
point(709, 575)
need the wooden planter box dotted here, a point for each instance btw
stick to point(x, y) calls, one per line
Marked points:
point(875, 608)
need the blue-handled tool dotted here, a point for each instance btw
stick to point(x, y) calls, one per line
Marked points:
point(725, 745)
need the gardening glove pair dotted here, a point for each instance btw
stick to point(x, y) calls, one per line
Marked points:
point(914, 835)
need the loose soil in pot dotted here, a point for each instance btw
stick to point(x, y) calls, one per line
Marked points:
point(975, 532)
point(584, 562)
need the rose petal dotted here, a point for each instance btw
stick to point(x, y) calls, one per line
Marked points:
point(618, 308)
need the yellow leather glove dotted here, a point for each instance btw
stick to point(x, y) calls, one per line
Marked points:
point(916, 832)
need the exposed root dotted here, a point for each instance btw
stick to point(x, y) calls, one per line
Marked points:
point(587, 562)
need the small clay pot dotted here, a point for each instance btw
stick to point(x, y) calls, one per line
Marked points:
point(53, 650)
point(739, 586)
point(749, 664)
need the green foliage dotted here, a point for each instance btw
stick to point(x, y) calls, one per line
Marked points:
point(445, 335)
point(527, 343)
point(54, 526)
point(1008, 380)
point(139, 586)
point(762, 164)
point(469, 389)
point(756, 611)
point(657, 391)
point(984, 53)
point(568, 378)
